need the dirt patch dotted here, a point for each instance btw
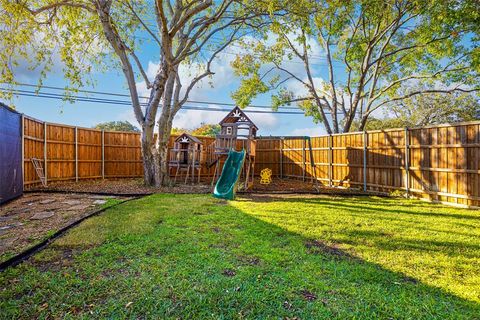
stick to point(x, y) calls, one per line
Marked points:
point(410, 280)
point(32, 218)
point(249, 260)
point(320, 247)
point(297, 185)
point(307, 295)
point(63, 258)
point(229, 272)
point(283, 185)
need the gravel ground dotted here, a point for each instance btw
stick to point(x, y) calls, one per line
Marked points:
point(123, 187)
point(31, 218)
point(136, 187)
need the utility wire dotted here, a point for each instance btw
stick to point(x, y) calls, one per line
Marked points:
point(128, 103)
point(125, 95)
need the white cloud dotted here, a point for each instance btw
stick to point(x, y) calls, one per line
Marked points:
point(129, 116)
point(189, 119)
point(312, 132)
point(264, 120)
point(208, 86)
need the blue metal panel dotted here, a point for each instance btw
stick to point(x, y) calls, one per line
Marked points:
point(11, 179)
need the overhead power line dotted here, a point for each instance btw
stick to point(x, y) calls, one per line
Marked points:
point(54, 96)
point(125, 95)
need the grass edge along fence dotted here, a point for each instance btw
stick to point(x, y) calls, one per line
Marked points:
point(440, 162)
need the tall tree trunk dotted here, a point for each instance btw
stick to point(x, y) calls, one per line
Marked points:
point(164, 130)
point(363, 123)
point(150, 157)
point(163, 154)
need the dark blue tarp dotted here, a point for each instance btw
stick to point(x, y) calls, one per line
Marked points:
point(11, 179)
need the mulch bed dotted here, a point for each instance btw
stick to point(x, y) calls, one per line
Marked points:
point(132, 187)
point(31, 218)
point(293, 185)
point(122, 187)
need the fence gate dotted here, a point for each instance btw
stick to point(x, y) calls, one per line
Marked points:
point(11, 178)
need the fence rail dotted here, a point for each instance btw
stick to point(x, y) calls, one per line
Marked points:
point(74, 153)
point(439, 163)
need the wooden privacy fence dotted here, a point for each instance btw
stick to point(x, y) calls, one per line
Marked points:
point(440, 163)
point(437, 162)
point(73, 153)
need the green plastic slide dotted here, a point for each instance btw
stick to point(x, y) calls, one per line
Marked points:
point(225, 187)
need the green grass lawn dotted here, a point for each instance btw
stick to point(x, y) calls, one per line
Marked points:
point(195, 257)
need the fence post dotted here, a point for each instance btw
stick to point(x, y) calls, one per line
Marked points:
point(103, 154)
point(407, 160)
point(23, 149)
point(281, 157)
point(365, 144)
point(330, 160)
point(303, 160)
point(76, 154)
point(45, 169)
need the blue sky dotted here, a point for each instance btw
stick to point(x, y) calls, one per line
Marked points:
point(217, 89)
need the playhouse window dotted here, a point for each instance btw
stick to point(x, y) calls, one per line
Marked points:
point(229, 130)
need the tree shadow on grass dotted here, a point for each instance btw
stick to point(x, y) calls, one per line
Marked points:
point(366, 286)
point(362, 205)
point(359, 208)
point(225, 264)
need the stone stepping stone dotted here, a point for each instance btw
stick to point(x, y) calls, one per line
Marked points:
point(10, 226)
point(42, 215)
point(72, 202)
point(99, 201)
point(47, 201)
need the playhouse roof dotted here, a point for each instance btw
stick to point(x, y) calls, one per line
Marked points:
point(187, 138)
point(238, 116)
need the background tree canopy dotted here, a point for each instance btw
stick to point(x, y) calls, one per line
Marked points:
point(427, 109)
point(205, 130)
point(371, 50)
point(90, 34)
point(117, 126)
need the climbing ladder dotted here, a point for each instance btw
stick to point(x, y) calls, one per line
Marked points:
point(37, 164)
